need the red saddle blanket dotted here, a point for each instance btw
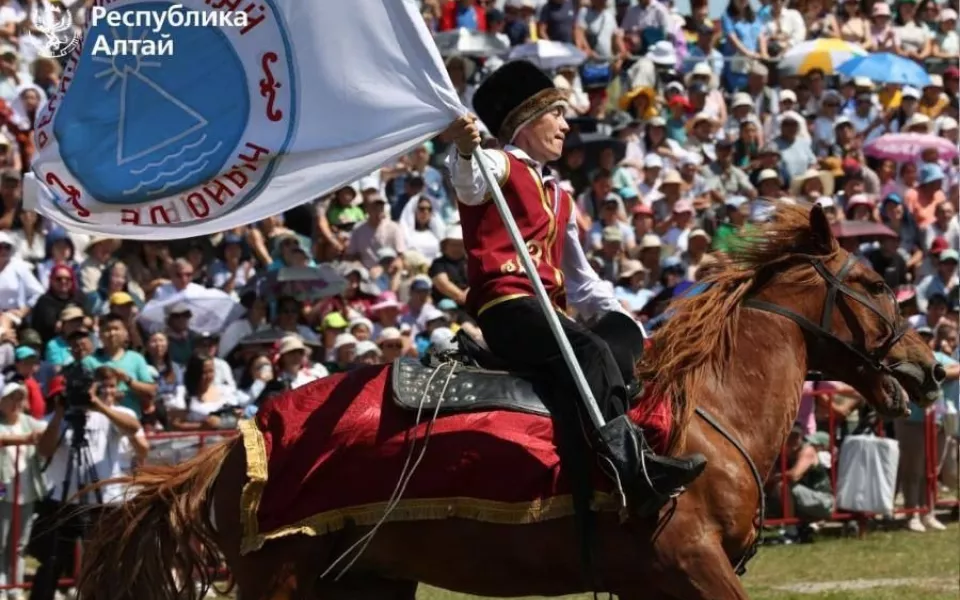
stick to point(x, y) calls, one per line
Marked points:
point(332, 452)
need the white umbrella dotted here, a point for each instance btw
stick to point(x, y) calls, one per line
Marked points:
point(825, 54)
point(212, 310)
point(548, 54)
point(469, 43)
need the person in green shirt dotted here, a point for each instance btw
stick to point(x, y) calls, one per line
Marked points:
point(732, 230)
point(135, 382)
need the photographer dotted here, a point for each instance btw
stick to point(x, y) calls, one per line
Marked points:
point(104, 427)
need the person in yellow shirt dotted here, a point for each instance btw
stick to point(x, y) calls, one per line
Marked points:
point(933, 101)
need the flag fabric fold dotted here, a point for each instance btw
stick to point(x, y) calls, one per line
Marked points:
point(235, 123)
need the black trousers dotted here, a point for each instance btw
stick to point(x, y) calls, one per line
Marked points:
point(517, 331)
point(61, 527)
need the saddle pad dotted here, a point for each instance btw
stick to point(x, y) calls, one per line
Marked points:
point(458, 388)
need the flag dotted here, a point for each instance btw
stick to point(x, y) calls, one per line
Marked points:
point(181, 120)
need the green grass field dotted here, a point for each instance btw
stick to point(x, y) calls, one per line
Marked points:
point(930, 562)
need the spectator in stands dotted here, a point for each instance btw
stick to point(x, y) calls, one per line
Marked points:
point(391, 344)
point(378, 231)
point(289, 311)
point(556, 21)
point(136, 383)
point(448, 272)
point(11, 192)
point(942, 281)
point(462, 14)
point(26, 367)
point(19, 289)
point(57, 352)
point(344, 353)
point(105, 421)
point(62, 291)
point(233, 268)
point(810, 495)
point(295, 367)
point(179, 336)
point(253, 321)
point(257, 373)
point(169, 378)
point(19, 434)
point(206, 404)
point(182, 280)
point(59, 250)
point(98, 251)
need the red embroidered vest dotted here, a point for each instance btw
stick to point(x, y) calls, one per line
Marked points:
point(542, 212)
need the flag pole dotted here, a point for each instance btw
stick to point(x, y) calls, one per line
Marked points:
point(596, 417)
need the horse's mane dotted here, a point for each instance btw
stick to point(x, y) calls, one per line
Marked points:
point(700, 335)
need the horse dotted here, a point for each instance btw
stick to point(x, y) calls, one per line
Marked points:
point(733, 360)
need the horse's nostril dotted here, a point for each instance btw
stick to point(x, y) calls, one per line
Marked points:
point(939, 373)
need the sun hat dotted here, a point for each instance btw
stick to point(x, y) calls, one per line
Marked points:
point(366, 347)
point(389, 334)
point(72, 312)
point(360, 321)
point(929, 173)
point(826, 181)
point(291, 343)
point(429, 313)
point(386, 300)
point(672, 176)
point(344, 339)
point(767, 174)
point(13, 387)
point(650, 240)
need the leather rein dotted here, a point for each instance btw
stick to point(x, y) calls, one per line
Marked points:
point(823, 336)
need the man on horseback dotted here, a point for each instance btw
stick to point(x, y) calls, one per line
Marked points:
point(520, 105)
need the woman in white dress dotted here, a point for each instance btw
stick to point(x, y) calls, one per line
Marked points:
point(207, 406)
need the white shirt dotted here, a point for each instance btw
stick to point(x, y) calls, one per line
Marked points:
point(18, 286)
point(106, 453)
point(168, 290)
point(586, 292)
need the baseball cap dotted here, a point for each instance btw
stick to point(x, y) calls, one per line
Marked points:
point(389, 333)
point(652, 161)
point(447, 304)
point(650, 240)
point(767, 174)
point(291, 343)
point(736, 201)
point(930, 173)
point(121, 299)
point(25, 352)
point(612, 233)
point(180, 308)
point(334, 320)
point(683, 206)
point(71, 312)
point(788, 96)
point(366, 347)
point(910, 92)
point(386, 253)
point(946, 255)
point(421, 283)
point(344, 339)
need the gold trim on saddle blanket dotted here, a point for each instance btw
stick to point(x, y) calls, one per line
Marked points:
point(366, 515)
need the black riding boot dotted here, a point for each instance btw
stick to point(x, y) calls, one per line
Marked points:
point(648, 481)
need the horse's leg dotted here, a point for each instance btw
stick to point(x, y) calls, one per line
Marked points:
point(702, 573)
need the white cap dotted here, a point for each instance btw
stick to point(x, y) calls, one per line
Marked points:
point(291, 343)
point(366, 347)
point(767, 174)
point(344, 339)
point(650, 161)
point(910, 92)
point(741, 99)
point(788, 95)
point(389, 333)
point(690, 158)
point(429, 313)
point(453, 232)
point(947, 124)
point(826, 202)
point(935, 81)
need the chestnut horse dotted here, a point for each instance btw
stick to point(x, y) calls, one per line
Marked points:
point(789, 302)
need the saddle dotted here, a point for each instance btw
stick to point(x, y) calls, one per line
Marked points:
point(474, 379)
point(471, 379)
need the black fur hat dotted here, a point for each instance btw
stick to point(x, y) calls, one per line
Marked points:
point(514, 94)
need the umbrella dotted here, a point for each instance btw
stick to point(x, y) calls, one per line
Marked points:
point(905, 147)
point(549, 55)
point(306, 284)
point(825, 54)
point(886, 68)
point(860, 229)
point(595, 143)
point(468, 43)
point(212, 310)
point(271, 336)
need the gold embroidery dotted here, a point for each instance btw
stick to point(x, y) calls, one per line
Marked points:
point(514, 265)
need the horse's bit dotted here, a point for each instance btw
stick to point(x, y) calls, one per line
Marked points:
point(822, 332)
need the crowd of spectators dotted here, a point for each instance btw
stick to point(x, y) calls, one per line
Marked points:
point(683, 130)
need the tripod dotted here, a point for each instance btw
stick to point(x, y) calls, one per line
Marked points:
point(69, 524)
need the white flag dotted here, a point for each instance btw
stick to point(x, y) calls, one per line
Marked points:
point(182, 120)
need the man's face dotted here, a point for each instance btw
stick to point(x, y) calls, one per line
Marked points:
point(724, 155)
point(935, 312)
point(124, 310)
point(287, 314)
point(183, 276)
point(113, 334)
point(375, 208)
point(789, 129)
point(178, 322)
point(946, 269)
point(81, 346)
point(543, 138)
point(28, 367)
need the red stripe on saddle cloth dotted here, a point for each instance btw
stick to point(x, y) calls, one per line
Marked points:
point(342, 442)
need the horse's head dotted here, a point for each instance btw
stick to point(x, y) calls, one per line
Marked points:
point(861, 338)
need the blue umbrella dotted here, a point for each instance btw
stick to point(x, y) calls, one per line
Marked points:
point(884, 67)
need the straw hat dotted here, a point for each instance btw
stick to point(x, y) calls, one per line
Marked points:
point(699, 118)
point(626, 101)
point(291, 343)
point(702, 69)
point(826, 181)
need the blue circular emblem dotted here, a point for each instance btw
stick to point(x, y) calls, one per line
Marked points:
point(137, 128)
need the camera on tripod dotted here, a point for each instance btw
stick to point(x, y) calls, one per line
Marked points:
point(78, 380)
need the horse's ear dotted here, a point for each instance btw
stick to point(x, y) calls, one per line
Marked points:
point(820, 228)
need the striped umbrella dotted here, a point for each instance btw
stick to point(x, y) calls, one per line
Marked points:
point(825, 54)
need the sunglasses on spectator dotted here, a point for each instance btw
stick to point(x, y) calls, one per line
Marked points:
point(392, 345)
point(63, 279)
point(426, 208)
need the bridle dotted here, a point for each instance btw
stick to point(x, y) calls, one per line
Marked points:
point(822, 333)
